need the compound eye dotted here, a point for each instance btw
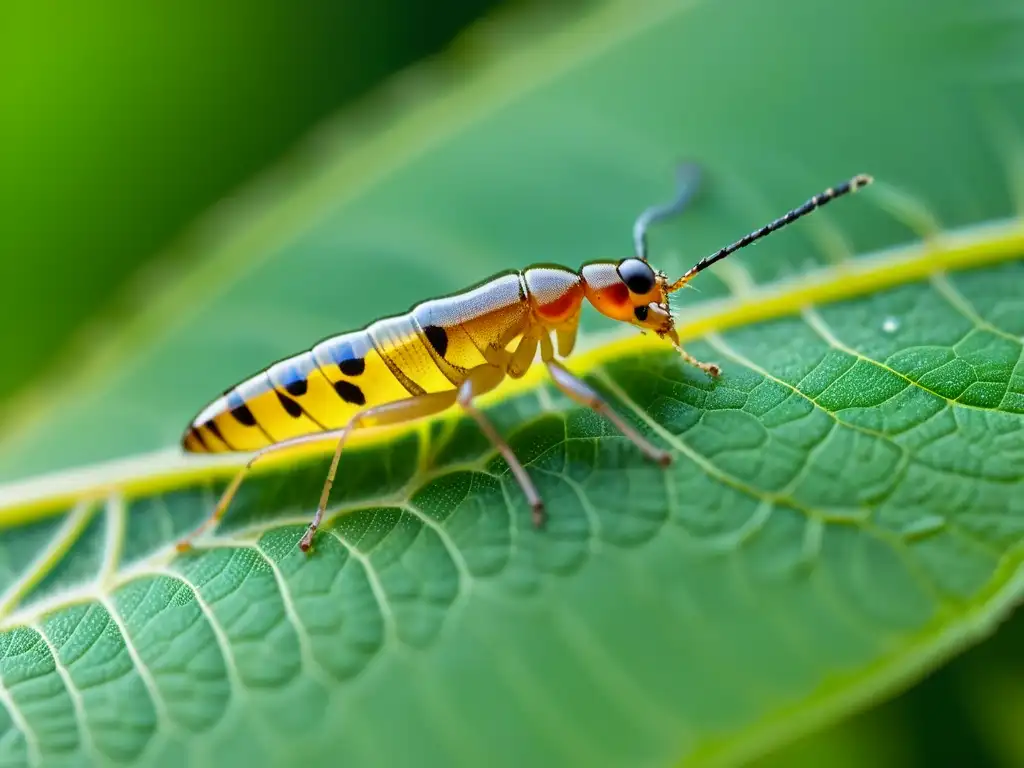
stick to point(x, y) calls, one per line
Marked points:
point(637, 275)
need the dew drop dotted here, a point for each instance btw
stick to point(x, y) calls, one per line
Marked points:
point(890, 325)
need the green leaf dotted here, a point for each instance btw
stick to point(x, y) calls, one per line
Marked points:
point(844, 510)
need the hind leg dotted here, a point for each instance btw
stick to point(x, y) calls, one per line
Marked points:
point(398, 412)
point(388, 413)
point(224, 502)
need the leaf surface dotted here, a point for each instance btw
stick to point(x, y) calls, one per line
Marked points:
point(843, 511)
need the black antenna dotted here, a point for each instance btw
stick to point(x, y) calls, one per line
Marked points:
point(861, 180)
point(688, 180)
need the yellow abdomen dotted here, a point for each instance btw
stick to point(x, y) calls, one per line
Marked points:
point(429, 349)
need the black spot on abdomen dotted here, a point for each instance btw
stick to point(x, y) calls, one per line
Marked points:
point(296, 388)
point(438, 338)
point(353, 366)
point(292, 408)
point(215, 431)
point(198, 436)
point(243, 415)
point(349, 392)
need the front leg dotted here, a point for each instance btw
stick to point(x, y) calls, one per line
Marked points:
point(481, 380)
point(584, 394)
point(711, 369)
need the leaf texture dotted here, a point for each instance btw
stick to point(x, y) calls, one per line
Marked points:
point(844, 509)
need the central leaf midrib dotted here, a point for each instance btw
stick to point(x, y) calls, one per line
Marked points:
point(974, 246)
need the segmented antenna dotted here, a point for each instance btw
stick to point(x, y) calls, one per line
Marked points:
point(688, 181)
point(861, 180)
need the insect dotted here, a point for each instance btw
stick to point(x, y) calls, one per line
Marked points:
point(448, 351)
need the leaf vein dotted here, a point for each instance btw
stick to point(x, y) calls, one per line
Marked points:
point(88, 744)
point(376, 586)
point(113, 545)
point(306, 653)
point(220, 634)
point(74, 524)
point(817, 323)
point(943, 285)
point(141, 669)
point(705, 464)
point(21, 723)
point(454, 553)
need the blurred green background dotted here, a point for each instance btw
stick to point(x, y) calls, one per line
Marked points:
point(123, 121)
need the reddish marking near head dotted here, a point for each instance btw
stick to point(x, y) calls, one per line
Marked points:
point(617, 293)
point(562, 307)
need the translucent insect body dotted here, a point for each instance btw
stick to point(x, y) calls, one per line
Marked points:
point(449, 351)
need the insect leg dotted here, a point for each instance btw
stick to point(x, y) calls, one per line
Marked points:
point(397, 412)
point(388, 413)
point(711, 369)
point(566, 337)
point(583, 394)
point(522, 357)
point(229, 493)
point(481, 380)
